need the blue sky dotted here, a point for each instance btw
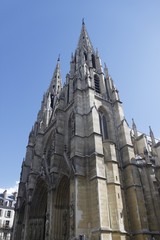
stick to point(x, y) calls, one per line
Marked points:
point(32, 35)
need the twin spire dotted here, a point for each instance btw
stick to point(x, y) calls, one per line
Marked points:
point(51, 97)
point(84, 44)
point(84, 47)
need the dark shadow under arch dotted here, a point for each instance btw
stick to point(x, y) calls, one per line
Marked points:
point(62, 219)
point(37, 213)
point(39, 200)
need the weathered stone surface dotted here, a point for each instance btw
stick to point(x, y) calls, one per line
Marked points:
point(86, 174)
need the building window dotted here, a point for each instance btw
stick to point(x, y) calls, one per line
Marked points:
point(8, 214)
point(7, 224)
point(68, 94)
point(51, 100)
point(72, 125)
point(85, 55)
point(93, 61)
point(103, 126)
point(1, 202)
point(97, 84)
point(74, 84)
point(71, 132)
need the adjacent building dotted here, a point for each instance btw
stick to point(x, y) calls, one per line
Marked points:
point(87, 174)
point(7, 206)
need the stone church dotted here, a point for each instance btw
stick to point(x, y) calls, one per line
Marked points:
point(87, 175)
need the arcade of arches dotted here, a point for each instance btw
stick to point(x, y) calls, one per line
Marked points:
point(39, 217)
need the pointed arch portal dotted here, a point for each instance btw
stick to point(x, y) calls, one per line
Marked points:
point(37, 227)
point(61, 215)
point(37, 213)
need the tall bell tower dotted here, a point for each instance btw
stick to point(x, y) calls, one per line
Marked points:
point(86, 174)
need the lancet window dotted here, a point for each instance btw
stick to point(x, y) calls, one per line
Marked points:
point(72, 125)
point(97, 84)
point(103, 126)
point(93, 61)
point(52, 100)
point(85, 55)
point(71, 130)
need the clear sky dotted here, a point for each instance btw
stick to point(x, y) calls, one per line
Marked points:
point(32, 35)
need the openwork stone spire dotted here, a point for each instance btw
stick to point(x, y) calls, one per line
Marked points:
point(84, 40)
point(56, 82)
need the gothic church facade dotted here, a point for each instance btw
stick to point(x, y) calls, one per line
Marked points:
point(86, 173)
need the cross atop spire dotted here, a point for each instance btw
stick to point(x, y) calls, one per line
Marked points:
point(58, 60)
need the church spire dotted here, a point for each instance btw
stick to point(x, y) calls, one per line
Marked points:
point(84, 40)
point(86, 65)
point(51, 96)
point(55, 86)
point(56, 82)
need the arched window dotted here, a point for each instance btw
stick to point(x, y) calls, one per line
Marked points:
point(93, 61)
point(74, 84)
point(51, 100)
point(72, 124)
point(85, 55)
point(71, 130)
point(103, 126)
point(97, 84)
point(68, 94)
